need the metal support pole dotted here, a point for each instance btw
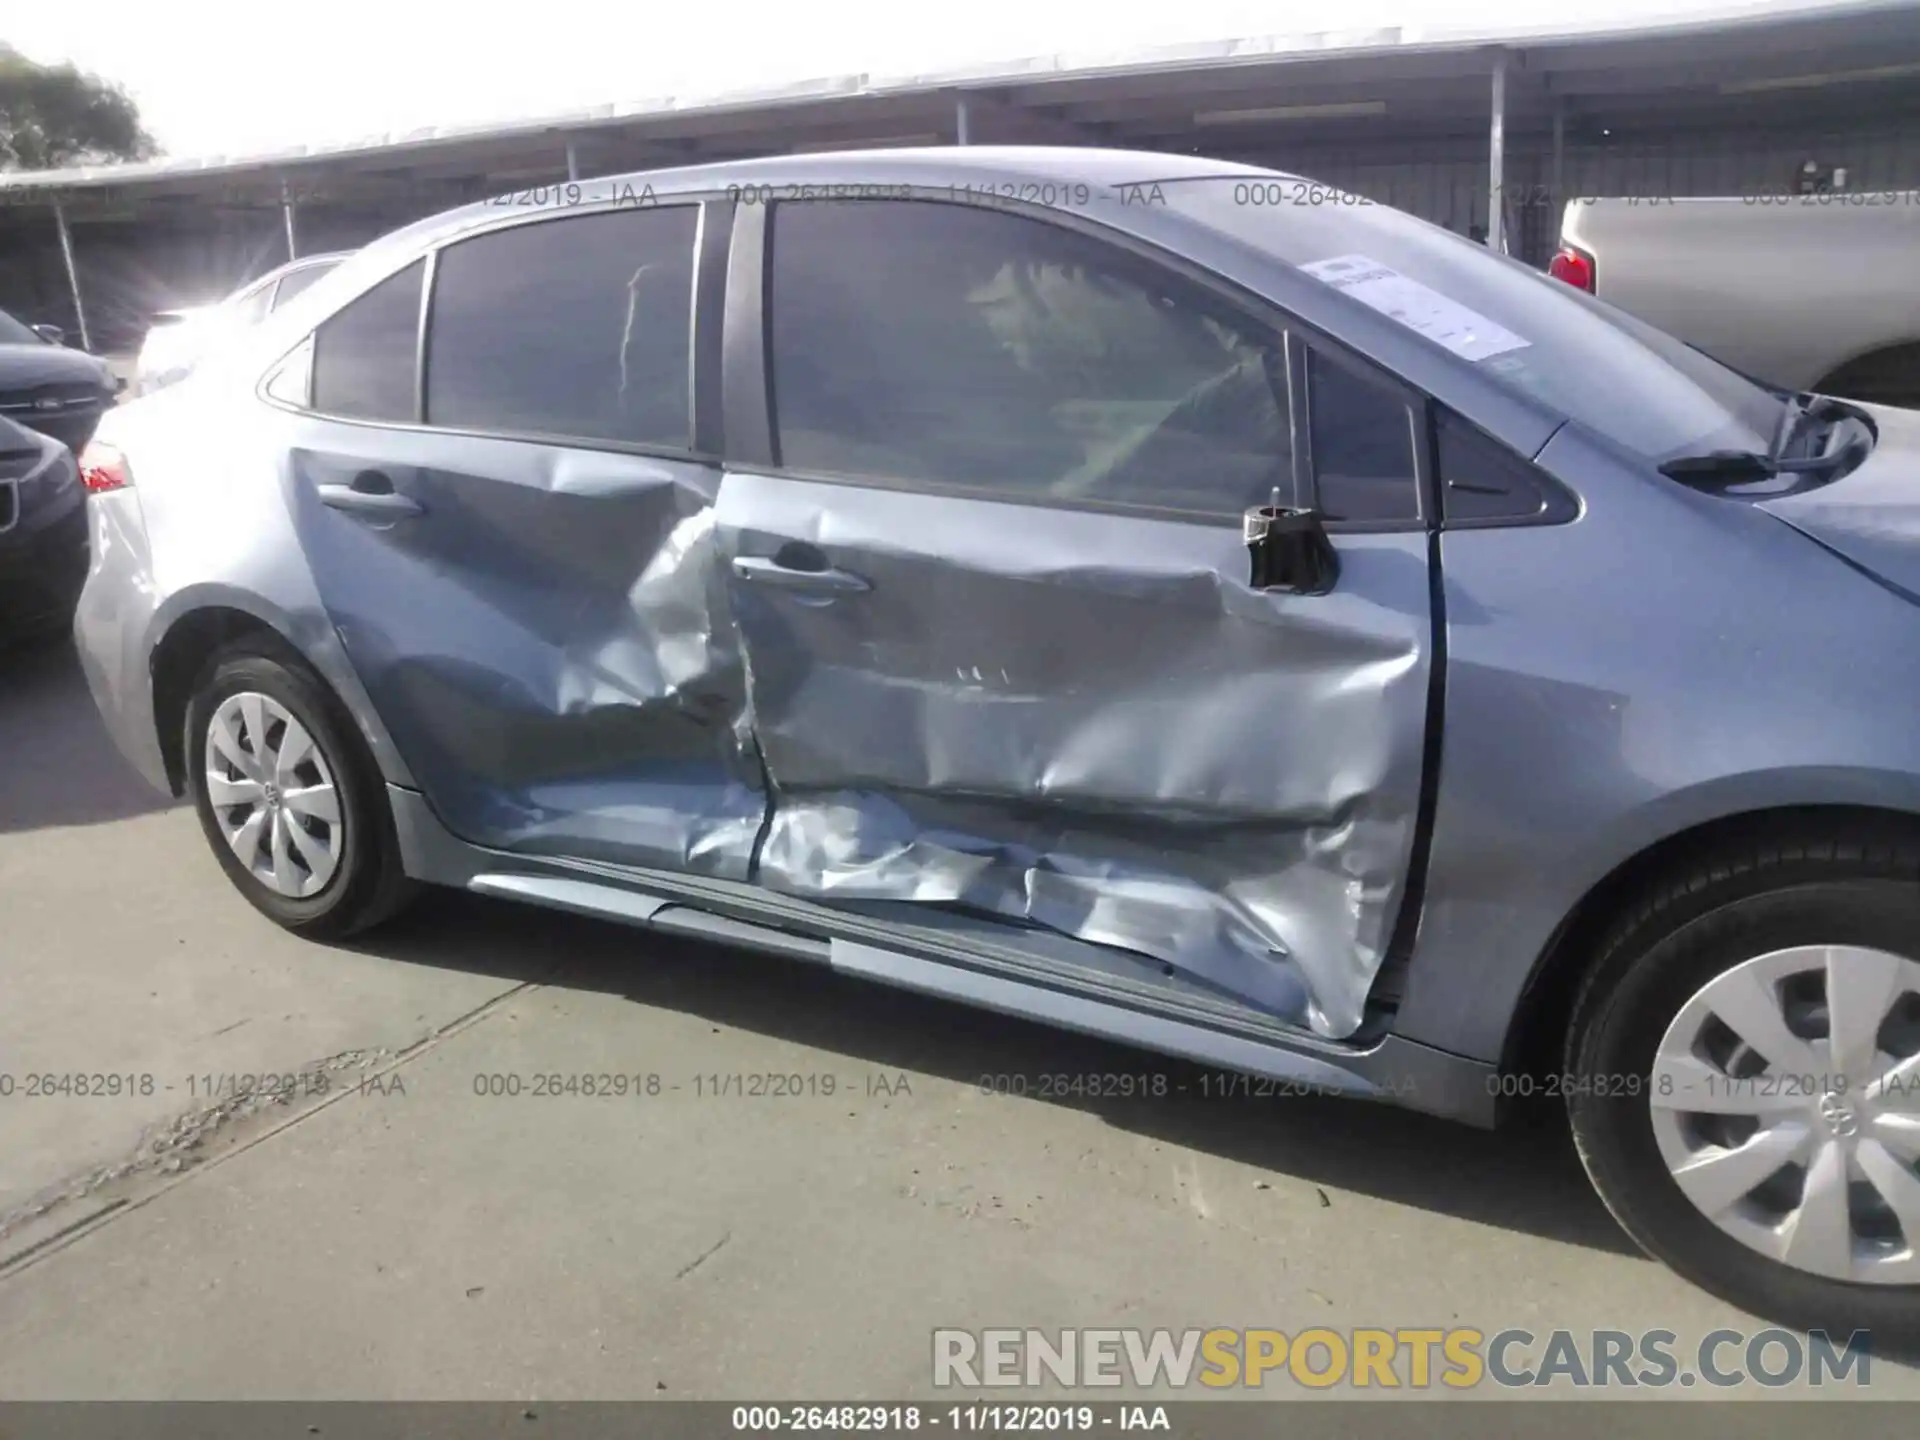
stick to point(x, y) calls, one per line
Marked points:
point(573, 162)
point(1559, 177)
point(1497, 160)
point(73, 274)
point(286, 214)
point(961, 119)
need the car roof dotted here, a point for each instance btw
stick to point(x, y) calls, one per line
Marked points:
point(932, 166)
point(305, 262)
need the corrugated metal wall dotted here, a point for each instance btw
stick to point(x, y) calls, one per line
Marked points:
point(130, 268)
point(133, 265)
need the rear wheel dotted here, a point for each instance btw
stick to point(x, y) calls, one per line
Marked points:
point(1746, 1084)
point(289, 797)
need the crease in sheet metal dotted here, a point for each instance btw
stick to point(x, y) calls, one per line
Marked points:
point(578, 689)
point(1147, 755)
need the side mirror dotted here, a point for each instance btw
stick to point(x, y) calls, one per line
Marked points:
point(52, 334)
point(1290, 550)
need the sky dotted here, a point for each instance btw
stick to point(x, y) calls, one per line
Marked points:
point(219, 77)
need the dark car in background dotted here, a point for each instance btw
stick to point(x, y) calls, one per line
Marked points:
point(50, 388)
point(43, 533)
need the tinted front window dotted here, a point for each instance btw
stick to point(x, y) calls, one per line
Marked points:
point(363, 358)
point(12, 332)
point(960, 347)
point(1579, 356)
point(1362, 431)
point(577, 327)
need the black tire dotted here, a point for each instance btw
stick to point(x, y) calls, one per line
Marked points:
point(369, 886)
point(1727, 908)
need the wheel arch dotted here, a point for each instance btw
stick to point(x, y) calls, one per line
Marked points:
point(177, 658)
point(1536, 1030)
point(197, 626)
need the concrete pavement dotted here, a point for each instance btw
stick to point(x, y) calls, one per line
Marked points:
point(408, 1228)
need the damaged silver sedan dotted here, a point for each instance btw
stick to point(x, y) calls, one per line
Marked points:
point(1166, 599)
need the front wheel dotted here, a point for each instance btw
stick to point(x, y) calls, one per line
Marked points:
point(289, 797)
point(1753, 1043)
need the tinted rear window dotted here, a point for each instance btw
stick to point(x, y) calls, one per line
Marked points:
point(577, 327)
point(364, 357)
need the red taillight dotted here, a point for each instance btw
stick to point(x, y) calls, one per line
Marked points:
point(104, 468)
point(1573, 266)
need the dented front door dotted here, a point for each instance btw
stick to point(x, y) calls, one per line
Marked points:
point(1002, 644)
point(1088, 723)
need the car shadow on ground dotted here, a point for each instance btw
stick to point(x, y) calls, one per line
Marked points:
point(57, 764)
point(61, 769)
point(1526, 1178)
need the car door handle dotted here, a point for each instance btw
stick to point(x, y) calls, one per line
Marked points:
point(762, 571)
point(371, 493)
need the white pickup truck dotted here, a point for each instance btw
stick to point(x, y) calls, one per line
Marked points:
point(1807, 292)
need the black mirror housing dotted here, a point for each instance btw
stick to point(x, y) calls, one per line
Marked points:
point(1289, 550)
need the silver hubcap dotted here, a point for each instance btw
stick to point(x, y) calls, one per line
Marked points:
point(1786, 1103)
point(273, 795)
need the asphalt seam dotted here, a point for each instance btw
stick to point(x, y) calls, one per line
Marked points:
point(32, 1254)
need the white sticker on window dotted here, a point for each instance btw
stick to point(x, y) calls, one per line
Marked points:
point(1465, 332)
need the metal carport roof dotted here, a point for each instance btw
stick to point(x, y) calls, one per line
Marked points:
point(1382, 91)
point(1243, 96)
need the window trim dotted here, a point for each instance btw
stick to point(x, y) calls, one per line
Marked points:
point(706, 355)
point(428, 275)
point(752, 401)
point(1299, 427)
point(273, 372)
point(704, 300)
point(746, 375)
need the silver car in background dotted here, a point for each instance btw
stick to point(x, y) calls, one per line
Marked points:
point(177, 339)
point(1164, 599)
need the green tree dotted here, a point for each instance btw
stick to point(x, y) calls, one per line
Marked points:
point(52, 116)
